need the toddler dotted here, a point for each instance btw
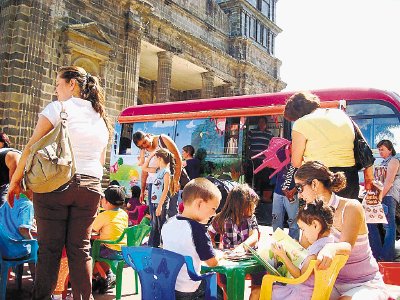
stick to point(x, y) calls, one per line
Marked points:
point(315, 221)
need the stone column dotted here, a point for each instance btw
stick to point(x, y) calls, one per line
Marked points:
point(207, 90)
point(132, 59)
point(25, 30)
point(164, 76)
point(228, 90)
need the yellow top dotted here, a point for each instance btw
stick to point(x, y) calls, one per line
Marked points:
point(330, 137)
point(110, 224)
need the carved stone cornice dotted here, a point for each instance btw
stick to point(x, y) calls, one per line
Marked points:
point(88, 39)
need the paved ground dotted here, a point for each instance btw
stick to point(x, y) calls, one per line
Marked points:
point(128, 284)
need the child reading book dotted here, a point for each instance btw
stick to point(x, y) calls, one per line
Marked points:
point(315, 220)
point(237, 225)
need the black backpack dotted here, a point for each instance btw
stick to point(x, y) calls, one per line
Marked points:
point(224, 186)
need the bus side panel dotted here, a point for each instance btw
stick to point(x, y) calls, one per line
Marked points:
point(123, 158)
point(124, 154)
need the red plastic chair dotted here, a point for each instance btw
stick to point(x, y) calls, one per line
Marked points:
point(271, 159)
point(136, 215)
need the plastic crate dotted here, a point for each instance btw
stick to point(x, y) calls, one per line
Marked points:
point(390, 272)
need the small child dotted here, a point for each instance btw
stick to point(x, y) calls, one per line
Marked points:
point(315, 221)
point(237, 224)
point(284, 198)
point(134, 200)
point(186, 234)
point(111, 224)
point(146, 218)
point(165, 166)
point(132, 204)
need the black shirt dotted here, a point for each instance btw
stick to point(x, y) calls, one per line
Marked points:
point(193, 168)
point(4, 171)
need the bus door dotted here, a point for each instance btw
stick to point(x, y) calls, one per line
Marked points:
point(256, 142)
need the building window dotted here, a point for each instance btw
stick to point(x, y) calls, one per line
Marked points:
point(273, 44)
point(265, 7)
point(251, 26)
point(245, 24)
point(253, 2)
point(265, 38)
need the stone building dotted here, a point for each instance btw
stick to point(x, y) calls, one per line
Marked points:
point(144, 51)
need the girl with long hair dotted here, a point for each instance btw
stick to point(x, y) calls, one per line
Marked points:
point(163, 182)
point(236, 225)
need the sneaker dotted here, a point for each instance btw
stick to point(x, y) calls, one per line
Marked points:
point(96, 283)
point(56, 297)
point(69, 297)
point(107, 283)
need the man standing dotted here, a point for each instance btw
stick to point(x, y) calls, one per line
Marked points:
point(258, 141)
point(9, 159)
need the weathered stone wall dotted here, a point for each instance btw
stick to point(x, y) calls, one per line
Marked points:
point(104, 36)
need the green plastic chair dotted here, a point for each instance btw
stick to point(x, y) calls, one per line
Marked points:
point(135, 236)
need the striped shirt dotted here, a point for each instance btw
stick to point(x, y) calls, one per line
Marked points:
point(259, 141)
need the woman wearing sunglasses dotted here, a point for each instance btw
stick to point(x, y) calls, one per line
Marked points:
point(360, 277)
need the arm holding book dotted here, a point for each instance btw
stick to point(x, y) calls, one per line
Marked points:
point(296, 272)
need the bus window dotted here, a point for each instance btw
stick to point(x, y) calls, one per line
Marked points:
point(187, 133)
point(362, 108)
point(377, 120)
point(125, 142)
point(231, 136)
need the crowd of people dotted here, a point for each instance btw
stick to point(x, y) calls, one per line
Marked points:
point(321, 172)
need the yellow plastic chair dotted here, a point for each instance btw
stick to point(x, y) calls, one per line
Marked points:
point(323, 281)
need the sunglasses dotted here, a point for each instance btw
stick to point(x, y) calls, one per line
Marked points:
point(300, 187)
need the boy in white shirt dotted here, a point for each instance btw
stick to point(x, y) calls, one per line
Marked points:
point(201, 199)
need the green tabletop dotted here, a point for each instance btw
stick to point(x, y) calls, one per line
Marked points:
point(235, 273)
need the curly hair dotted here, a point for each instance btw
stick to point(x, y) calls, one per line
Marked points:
point(300, 104)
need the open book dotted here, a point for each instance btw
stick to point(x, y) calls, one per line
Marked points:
point(264, 262)
point(294, 251)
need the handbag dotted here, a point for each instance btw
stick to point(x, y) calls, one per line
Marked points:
point(373, 208)
point(362, 151)
point(51, 162)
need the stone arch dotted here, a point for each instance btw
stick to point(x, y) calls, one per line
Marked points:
point(88, 64)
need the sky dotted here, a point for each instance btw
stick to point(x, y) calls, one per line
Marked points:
point(339, 43)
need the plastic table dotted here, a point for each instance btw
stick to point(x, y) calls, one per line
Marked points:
point(235, 272)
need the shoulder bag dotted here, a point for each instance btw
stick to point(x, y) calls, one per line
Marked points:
point(362, 151)
point(51, 161)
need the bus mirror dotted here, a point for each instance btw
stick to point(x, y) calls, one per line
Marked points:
point(342, 104)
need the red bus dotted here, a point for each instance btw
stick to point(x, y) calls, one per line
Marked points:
point(219, 127)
